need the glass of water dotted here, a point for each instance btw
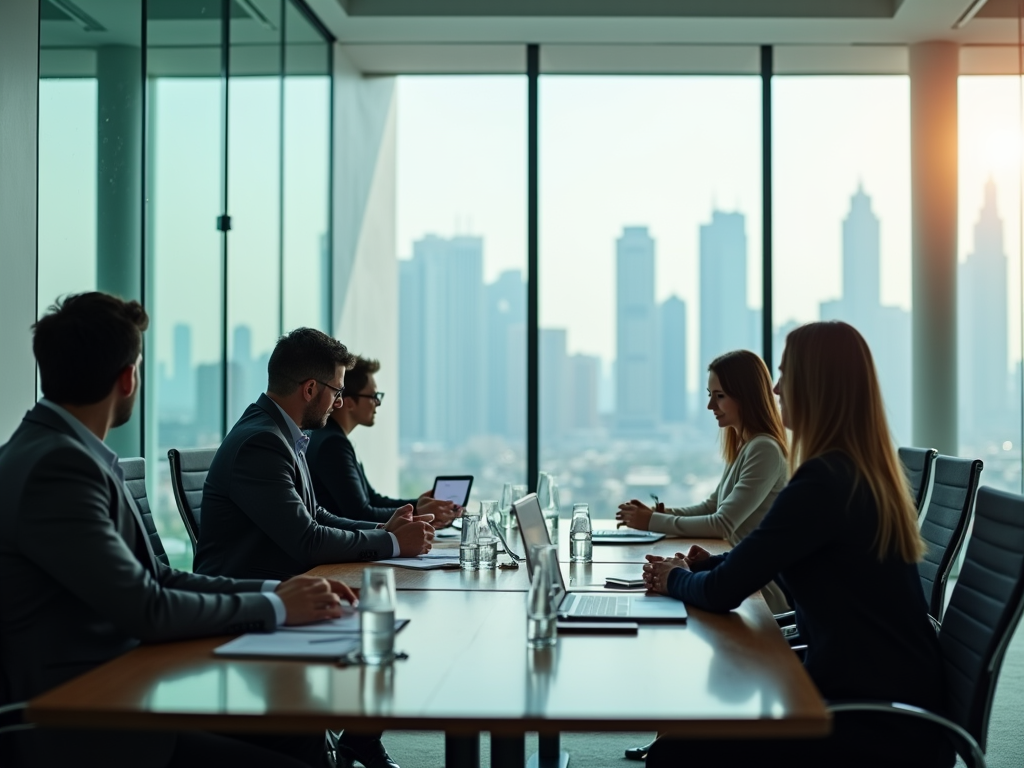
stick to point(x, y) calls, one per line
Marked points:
point(518, 491)
point(469, 548)
point(487, 542)
point(551, 512)
point(541, 612)
point(377, 615)
point(581, 535)
point(506, 505)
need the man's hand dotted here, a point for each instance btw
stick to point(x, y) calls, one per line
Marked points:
point(636, 514)
point(415, 537)
point(694, 555)
point(657, 570)
point(309, 598)
point(402, 516)
point(443, 511)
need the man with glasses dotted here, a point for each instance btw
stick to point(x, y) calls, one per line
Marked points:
point(260, 517)
point(338, 476)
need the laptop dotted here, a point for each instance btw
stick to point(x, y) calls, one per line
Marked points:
point(587, 606)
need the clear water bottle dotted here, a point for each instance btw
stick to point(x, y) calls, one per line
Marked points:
point(581, 535)
point(469, 548)
point(377, 615)
point(541, 616)
point(487, 542)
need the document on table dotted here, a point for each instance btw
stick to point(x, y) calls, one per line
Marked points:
point(445, 558)
point(292, 645)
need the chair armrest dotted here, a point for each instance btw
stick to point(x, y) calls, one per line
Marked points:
point(12, 718)
point(785, 619)
point(972, 755)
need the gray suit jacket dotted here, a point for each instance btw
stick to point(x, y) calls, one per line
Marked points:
point(81, 586)
point(261, 520)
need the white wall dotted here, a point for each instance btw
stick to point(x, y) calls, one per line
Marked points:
point(19, 96)
point(365, 270)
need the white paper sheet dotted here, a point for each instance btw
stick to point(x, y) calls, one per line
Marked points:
point(292, 645)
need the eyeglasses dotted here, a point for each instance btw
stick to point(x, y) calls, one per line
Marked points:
point(376, 396)
point(338, 392)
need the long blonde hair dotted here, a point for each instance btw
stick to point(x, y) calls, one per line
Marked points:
point(745, 378)
point(833, 403)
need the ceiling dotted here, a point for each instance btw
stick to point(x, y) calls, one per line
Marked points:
point(691, 22)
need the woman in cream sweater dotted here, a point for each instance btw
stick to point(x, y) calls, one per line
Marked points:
point(754, 446)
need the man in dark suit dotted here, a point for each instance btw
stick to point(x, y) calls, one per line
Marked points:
point(338, 476)
point(81, 583)
point(260, 517)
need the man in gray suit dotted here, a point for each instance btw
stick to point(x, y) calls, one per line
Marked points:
point(81, 584)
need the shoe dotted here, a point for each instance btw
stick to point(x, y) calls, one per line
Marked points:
point(369, 752)
point(638, 753)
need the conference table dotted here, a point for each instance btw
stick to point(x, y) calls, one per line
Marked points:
point(469, 671)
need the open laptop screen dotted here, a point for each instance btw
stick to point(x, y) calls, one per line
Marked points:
point(534, 531)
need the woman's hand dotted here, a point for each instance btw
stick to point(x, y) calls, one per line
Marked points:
point(657, 570)
point(636, 514)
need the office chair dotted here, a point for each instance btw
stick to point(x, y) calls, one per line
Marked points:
point(944, 524)
point(135, 480)
point(917, 466)
point(983, 613)
point(188, 473)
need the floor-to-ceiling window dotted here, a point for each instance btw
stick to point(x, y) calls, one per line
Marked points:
point(989, 278)
point(461, 240)
point(841, 199)
point(650, 267)
point(193, 174)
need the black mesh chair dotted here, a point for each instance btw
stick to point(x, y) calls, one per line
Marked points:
point(135, 479)
point(944, 524)
point(917, 466)
point(983, 613)
point(188, 473)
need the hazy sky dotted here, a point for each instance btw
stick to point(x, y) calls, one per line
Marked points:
point(664, 152)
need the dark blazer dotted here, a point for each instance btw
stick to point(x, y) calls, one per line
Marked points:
point(339, 480)
point(81, 586)
point(260, 520)
point(865, 620)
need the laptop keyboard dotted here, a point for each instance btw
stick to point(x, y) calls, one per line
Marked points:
point(604, 605)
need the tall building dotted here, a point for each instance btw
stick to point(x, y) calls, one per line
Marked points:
point(178, 400)
point(442, 329)
point(674, 394)
point(505, 310)
point(725, 319)
point(584, 372)
point(554, 383)
point(885, 329)
point(984, 322)
point(637, 385)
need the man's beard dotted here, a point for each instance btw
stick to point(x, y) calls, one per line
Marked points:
point(124, 411)
point(313, 417)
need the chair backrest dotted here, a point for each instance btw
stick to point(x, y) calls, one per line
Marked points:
point(188, 473)
point(917, 466)
point(984, 610)
point(135, 480)
point(944, 524)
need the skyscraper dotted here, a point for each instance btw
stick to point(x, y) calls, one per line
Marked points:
point(725, 319)
point(674, 394)
point(443, 330)
point(178, 400)
point(637, 395)
point(984, 324)
point(584, 372)
point(885, 329)
point(505, 310)
point(554, 383)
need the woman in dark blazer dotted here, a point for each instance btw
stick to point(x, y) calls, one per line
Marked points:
point(842, 539)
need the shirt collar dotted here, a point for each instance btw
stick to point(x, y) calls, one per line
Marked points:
point(100, 450)
point(299, 440)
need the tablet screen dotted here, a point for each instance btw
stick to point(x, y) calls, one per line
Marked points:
point(454, 489)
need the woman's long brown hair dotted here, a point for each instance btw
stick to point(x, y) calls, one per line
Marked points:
point(833, 403)
point(745, 378)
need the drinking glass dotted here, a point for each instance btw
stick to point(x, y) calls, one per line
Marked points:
point(377, 615)
point(518, 491)
point(541, 612)
point(469, 548)
point(581, 535)
point(506, 505)
point(551, 512)
point(487, 542)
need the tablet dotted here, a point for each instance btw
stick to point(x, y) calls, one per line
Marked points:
point(454, 488)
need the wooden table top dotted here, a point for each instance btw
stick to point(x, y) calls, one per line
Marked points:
point(469, 670)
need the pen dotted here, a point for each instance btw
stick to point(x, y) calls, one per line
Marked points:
point(657, 501)
point(333, 639)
